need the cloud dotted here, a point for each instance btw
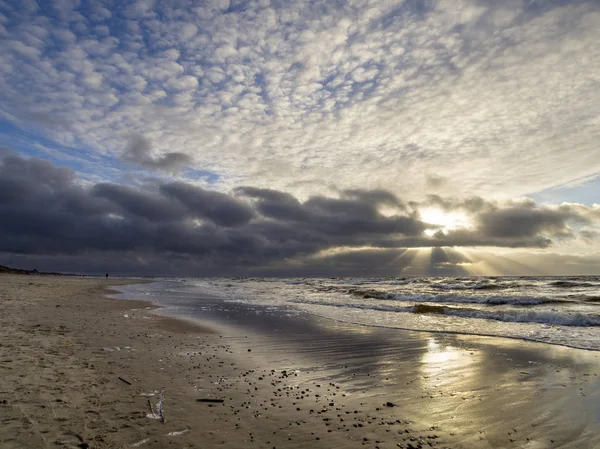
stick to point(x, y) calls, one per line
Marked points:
point(4, 152)
point(139, 152)
point(589, 235)
point(47, 212)
point(474, 96)
point(435, 182)
point(526, 222)
point(337, 217)
point(215, 206)
point(147, 205)
point(376, 196)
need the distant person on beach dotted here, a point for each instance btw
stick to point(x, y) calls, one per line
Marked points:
point(106, 275)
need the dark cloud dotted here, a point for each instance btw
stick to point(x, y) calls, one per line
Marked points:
point(4, 152)
point(146, 205)
point(48, 214)
point(355, 214)
point(377, 197)
point(523, 221)
point(274, 204)
point(139, 152)
point(517, 221)
point(215, 206)
point(40, 186)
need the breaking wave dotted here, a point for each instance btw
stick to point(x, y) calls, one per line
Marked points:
point(551, 317)
point(571, 284)
point(366, 293)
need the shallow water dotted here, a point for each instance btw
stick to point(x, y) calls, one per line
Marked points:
point(485, 392)
point(557, 310)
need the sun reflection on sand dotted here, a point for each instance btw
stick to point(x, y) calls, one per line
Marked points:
point(445, 365)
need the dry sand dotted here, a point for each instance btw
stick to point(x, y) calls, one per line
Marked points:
point(80, 370)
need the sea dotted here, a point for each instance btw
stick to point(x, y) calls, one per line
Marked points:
point(555, 310)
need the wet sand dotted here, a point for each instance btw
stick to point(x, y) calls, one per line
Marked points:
point(80, 370)
point(484, 392)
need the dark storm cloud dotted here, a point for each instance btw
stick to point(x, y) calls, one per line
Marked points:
point(355, 214)
point(217, 207)
point(274, 204)
point(142, 204)
point(46, 212)
point(40, 186)
point(517, 222)
point(139, 151)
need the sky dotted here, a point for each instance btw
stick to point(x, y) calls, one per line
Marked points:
point(300, 138)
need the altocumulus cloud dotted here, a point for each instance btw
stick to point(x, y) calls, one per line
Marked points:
point(404, 96)
point(50, 217)
point(139, 151)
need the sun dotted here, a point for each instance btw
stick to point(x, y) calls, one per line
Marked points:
point(443, 221)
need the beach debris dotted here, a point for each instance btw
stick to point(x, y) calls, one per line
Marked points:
point(177, 432)
point(159, 412)
point(390, 404)
point(210, 400)
point(139, 443)
point(121, 378)
point(117, 348)
point(148, 394)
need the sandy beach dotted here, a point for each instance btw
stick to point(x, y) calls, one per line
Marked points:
point(78, 369)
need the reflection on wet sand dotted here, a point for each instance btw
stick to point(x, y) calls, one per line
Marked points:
point(484, 392)
point(443, 365)
point(509, 393)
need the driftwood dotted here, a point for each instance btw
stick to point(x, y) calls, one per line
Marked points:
point(216, 401)
point(124, 380)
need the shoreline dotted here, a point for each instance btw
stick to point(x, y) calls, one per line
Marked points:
point(495, 382)
point(66, 348)
point(469, 334)
point(114, 292)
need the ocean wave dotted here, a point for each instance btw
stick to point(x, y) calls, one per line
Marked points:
point(571, 284)
point(366, 293)
point(529, 316)
point(549, 317)
point(478, 286)
point(586, 298)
